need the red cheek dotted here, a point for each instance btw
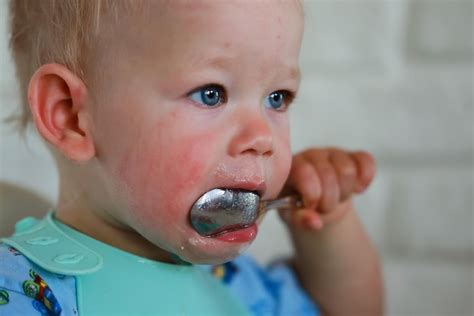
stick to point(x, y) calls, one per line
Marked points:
point(188, 160)
point(163, 177)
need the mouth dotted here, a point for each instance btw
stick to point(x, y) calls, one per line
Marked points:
point(257, 187)
point(229, 212)
point(236, 233)
point(228, 229)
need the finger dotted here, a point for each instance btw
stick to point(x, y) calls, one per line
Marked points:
point(307, 219)
point(286, 215)
point(346, 169)
point(366, 168)
point(329, 184)
point(304, 180)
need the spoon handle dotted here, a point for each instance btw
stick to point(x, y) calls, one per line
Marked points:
point(289, 202)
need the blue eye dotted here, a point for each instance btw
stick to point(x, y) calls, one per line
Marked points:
point(210, 95)
point(277, 100)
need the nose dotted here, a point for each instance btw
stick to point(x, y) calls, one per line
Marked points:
point(254, 134)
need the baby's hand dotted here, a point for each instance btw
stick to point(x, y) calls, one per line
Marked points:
point(326, 179)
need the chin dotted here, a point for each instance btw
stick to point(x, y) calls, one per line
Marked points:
point(210, 251)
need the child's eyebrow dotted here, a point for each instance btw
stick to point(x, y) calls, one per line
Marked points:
point(294, 73)
point(221, 61)
point(290, 72)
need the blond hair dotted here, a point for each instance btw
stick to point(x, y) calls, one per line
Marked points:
point(66, 32)
point(59, 31)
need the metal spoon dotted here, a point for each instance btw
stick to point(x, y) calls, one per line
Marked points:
point(221, 210)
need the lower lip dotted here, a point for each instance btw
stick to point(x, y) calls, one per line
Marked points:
point(239, 236)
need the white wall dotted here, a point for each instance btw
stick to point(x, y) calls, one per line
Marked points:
point(394, 77)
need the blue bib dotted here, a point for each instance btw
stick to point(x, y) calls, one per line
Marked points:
point(110, 281)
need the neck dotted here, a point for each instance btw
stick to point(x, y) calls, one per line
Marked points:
point(78, 210)
point(103, 227)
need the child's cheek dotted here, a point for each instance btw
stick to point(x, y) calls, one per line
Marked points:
point(163, 175)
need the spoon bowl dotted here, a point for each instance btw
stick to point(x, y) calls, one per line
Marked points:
point(223, 210)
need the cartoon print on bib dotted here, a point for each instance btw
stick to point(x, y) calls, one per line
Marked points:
point(14, 252)
point(4, 297)
point(225, 272)
point(44, 300)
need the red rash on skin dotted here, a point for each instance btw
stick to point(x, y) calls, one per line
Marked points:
point(145, 171)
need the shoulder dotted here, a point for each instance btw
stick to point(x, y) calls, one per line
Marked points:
point(270, 290)
point(27, 289)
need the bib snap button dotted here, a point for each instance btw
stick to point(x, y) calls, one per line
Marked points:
point(69, 258)
point(42, 241)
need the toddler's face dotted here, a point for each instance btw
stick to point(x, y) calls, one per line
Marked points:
point(195, 98)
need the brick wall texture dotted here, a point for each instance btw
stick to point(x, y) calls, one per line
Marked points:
point(394, 77)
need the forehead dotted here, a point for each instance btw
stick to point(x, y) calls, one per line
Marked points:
point(229, 19)
point(228, 15)
point(201, 32)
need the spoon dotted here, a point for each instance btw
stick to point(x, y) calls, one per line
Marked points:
point(223, 210)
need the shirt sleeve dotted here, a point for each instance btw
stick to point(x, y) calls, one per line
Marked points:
point(26, 289)
point(274, 290)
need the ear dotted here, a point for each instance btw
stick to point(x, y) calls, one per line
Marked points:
point(57, 99)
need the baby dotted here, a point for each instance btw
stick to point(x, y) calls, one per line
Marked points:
point(147, 105)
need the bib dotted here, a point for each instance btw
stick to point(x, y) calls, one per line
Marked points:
point(110, 281)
